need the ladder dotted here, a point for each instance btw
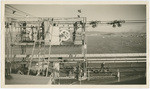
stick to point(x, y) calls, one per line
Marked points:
point(39, 53)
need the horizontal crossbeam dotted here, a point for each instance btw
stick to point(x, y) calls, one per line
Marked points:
point(91, 58)
point(81, 55)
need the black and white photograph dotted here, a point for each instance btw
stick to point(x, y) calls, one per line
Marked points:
point(75, 44)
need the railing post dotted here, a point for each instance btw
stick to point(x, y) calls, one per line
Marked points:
point(118, 75)
point(88, 75)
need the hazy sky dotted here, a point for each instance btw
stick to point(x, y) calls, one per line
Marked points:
point(92, 12)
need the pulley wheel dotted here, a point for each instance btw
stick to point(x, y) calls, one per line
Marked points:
point(65, 35)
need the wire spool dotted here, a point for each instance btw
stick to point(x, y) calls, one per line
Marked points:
point(65, 35)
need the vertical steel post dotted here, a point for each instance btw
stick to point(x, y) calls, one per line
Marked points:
point(50, 45)
point(39, 53)
point(10, 33)
point(84, 47)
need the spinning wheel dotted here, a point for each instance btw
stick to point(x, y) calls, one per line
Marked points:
point(64, 35)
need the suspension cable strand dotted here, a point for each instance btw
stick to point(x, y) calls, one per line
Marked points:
point(15, 9)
